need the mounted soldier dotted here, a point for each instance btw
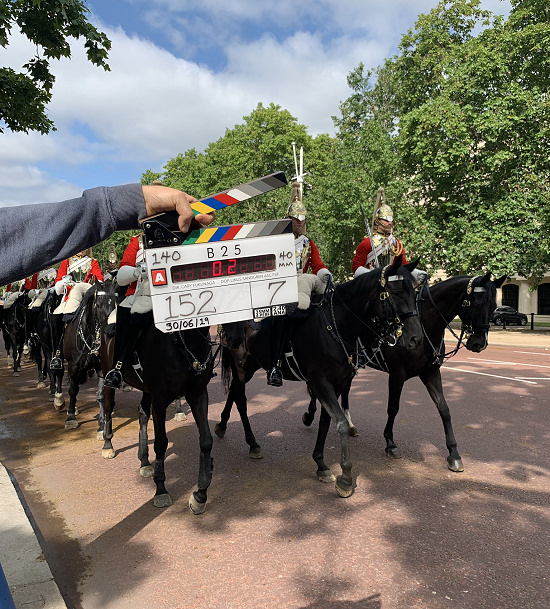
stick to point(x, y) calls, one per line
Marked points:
point(307, 259)
point(380, 247)
point(131, 272)
point(79, 269)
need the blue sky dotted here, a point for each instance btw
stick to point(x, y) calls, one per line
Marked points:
point(182, 72)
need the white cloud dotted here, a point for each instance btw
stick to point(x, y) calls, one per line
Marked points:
point(154, 105)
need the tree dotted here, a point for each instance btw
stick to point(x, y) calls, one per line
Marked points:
point(48, 24)
point(473, 116)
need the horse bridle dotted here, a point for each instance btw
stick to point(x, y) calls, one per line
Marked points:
point(393, 327)
point(467, 328)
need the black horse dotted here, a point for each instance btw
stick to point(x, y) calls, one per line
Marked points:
point(473, 299)
point(165, 367)
point(380, 305)
point(82, 342)
point(15, 322)
point(44, 328)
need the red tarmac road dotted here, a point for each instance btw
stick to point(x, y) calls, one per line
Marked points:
point(413, 536)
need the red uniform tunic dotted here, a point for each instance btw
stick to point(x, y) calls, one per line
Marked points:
point(314, 259)
point(95, 271)
point(31, 283)
point(129, 258)
point(365, 248)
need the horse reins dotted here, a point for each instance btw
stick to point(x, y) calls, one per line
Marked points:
point(387, 302)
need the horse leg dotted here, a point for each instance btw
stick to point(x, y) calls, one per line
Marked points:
point(395, 387)
point(255, 451)
point(435, 389)
point(327, 396)
point(70, 421)
point(221, 427)
point(108, 452)
point(146, 469)
point(100, 397)
point(323, 472)
point(345, 407)
point(307, 417)
point(59, 400)
point(161, 498)
point(199, 408)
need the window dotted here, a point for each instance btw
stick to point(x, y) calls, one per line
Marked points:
point(543, 299)
point(510, 295)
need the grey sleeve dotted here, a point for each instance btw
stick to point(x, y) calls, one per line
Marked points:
point(33, 237)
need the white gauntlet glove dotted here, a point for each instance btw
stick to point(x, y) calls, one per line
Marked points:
point(325, 275)
point(140, 270)
point(420, 275)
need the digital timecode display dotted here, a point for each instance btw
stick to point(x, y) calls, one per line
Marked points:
point(227, 267)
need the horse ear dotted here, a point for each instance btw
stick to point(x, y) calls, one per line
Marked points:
point(500, 281)
point(411, 265)
point(485, 278)
point(396, 263)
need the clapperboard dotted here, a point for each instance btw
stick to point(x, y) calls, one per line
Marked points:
point(220, 274)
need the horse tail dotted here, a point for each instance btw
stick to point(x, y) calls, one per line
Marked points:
point(227, 371)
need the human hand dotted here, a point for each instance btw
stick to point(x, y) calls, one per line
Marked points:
point(325, 275)
point(140, 270)
point(162, 198)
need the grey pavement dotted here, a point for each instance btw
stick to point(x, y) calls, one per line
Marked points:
point(26, 571)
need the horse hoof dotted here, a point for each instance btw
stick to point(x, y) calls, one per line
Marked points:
point(162, 501)
point(307, 420)
point(180, 416)
point(51, 398)
point(343, 490)
point(219, 431)
point(59, 401)
point(256, 453)
point(99, 436)
point(393, 453)
point(196, 507)
point(353, 432)
point(41, 385)
point(146, 471)
point(325, 476)
point(455, 465)
point(108, 453)
point(16, 374)
point(71, 424)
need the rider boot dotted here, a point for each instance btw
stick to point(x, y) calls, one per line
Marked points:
point(56, 363)
point(274, 374)
point(58, 330)
point(125, 339)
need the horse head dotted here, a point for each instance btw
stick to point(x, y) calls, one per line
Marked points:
point(395, 305)
point(101, 297)
point(476, 308)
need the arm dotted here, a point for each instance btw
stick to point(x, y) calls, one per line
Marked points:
point(314, 261)
point(95, 271)
point(360, 258)
point(36, 236)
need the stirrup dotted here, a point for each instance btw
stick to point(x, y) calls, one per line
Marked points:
point(275, 377)
point(113, 379)
point(56, 363)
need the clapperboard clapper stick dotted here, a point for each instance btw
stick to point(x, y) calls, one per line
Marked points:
point(162, 229)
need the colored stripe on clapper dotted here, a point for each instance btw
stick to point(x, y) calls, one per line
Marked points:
point(239, 193)
point(238, 231)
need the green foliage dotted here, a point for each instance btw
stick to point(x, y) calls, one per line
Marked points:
point(48, 24)
point(474, 133)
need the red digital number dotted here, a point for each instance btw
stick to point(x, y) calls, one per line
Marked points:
point(217, 268)
point(232, 267)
